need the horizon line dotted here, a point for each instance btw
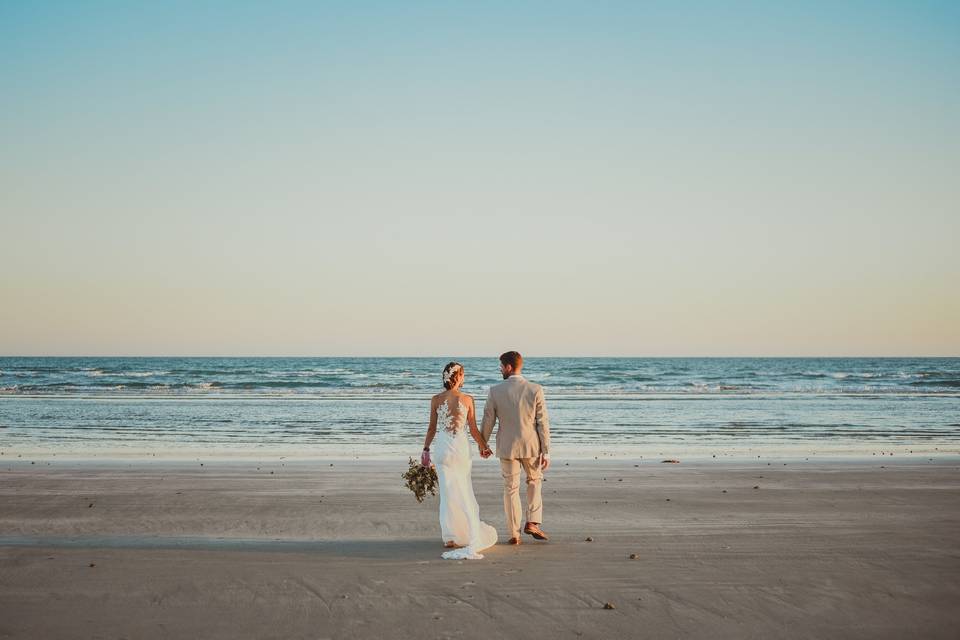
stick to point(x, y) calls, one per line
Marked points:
point(409, 357)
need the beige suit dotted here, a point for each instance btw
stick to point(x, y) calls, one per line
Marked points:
point(524, 434)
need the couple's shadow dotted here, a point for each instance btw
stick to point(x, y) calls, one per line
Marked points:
point(371, 549)
point(405, 549)
point(374, 548)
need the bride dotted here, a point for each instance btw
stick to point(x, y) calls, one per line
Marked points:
point(461, 528)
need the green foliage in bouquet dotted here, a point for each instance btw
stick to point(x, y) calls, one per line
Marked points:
point(421, 480)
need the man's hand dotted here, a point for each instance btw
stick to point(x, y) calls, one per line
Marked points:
point(544, 461)
point(486, 453)
point(425, 458)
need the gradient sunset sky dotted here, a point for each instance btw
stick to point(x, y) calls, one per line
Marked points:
point(405, 178)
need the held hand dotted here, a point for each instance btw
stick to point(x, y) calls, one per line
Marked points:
point(425, 458)
point(485, 452)
point(544, 462)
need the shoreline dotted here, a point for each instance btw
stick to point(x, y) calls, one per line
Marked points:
point(648, 455)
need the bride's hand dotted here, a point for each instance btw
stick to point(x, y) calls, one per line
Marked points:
point(425, 458)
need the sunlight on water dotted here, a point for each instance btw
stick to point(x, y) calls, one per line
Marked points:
point(380, 404)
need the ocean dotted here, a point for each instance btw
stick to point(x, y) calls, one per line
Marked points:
point(317, 407)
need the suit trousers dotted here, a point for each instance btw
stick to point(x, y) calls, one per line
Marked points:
point(510, 469)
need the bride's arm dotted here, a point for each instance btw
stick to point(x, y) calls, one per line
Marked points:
point(431, 432)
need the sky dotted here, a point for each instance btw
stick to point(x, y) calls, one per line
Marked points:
point(427, 178)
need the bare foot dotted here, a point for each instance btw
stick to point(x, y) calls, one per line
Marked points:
point(452, 545)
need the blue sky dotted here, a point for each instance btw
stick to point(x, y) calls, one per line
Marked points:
point(414, 178)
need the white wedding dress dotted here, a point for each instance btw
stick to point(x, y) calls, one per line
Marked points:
point(459, 513)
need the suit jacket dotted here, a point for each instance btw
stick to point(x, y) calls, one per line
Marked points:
point(524, 424)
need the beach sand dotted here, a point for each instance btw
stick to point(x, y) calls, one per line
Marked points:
point(341, 549)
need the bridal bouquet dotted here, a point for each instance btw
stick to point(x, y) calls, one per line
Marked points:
point(421, 480)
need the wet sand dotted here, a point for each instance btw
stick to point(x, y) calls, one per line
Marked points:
point(227, 550)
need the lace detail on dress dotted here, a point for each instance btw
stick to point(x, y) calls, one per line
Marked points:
point(452, 424)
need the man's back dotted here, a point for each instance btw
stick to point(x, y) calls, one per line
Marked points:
point(519, 405)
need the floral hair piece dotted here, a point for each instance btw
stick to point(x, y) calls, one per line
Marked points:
point(448, 373)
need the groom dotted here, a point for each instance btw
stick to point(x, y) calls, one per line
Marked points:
point(523, 440)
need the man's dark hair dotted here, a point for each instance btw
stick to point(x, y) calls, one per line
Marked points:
point(512, 358)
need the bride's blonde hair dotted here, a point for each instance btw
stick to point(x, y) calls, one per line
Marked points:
point(450, 374)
